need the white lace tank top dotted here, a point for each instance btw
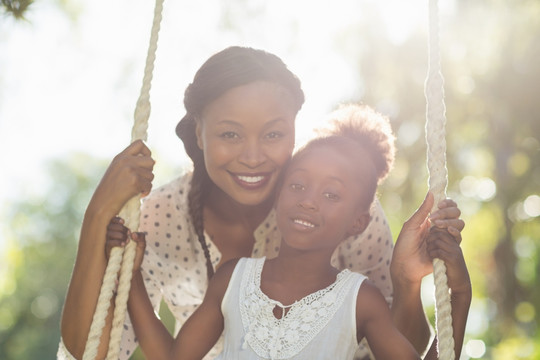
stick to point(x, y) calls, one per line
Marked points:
point(321, 325)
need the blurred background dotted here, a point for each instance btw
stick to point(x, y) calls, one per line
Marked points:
point(70, 74)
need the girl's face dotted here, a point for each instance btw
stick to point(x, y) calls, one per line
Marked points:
point(247, 135)
point(319, 203)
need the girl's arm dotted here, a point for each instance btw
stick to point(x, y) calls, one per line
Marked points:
point(155, 340)
point(129, 174)
point(199, 333)
point(415, 249)
point(374, 322)
point(204, 327)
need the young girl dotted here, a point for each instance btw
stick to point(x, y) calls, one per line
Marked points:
point(297, 305)
point(239, 132)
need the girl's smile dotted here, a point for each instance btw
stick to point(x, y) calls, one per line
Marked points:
point(319, 201)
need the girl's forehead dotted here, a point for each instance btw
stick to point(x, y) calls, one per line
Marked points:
point(343, 160)
point(321, 158)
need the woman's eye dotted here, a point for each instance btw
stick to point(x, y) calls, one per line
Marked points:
point(274, 135)
point(229, 135)
point(297, 187)
point(331, 196)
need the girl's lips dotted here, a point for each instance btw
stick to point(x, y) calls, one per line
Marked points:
point(252, 181)
point(302, 223)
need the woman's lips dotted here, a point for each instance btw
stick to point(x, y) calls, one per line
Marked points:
point(252, 181)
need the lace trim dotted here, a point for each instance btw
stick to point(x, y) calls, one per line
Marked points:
point(284, 338)
point(63, 353)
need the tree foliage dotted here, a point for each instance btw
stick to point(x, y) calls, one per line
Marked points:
point(16, 8)
point(489, 53)
point(492, 81)
point(37, 265)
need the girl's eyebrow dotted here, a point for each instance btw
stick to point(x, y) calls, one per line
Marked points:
point(333, 177)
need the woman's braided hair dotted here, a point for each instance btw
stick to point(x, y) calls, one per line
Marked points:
point(229, 68)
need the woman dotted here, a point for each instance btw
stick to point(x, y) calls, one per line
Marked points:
point(239, 132)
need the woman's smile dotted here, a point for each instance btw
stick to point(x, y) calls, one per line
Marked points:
point(247, 136)
point(252, 181)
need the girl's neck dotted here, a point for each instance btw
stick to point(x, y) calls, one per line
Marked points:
point(304, 265)
point(292, 276)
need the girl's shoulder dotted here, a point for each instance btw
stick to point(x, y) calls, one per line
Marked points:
point(220, 281)
point(370, 302)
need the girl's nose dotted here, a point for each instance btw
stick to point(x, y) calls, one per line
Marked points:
point(308, 203)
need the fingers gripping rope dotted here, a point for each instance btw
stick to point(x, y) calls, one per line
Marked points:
point(122, 260)
point(436, 161)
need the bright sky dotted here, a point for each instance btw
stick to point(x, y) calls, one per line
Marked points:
point(69, 82)
point(70, 85)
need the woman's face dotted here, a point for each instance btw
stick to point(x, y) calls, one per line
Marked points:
point(247, 136)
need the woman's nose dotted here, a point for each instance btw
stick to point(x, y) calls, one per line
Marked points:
point(252, 154)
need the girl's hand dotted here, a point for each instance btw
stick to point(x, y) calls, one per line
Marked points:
point(120, 235)
point(129, 174)
point(442, 245)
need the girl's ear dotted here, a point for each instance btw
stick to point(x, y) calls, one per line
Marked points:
point(360, 224)
point(198, 133)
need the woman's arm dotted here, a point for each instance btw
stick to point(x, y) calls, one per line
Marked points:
point(129, 174)
point(442, 245)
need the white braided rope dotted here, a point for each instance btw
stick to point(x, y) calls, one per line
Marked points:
point(436, 161)
point(102, 307)
point(122, 260)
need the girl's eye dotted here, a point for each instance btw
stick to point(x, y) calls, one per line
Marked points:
point(331, 196)
point(297, 187)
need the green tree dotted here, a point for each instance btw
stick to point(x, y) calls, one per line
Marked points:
point(489, 57)
point(41, 245)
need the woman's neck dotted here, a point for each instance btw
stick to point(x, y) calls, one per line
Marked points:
point(227, 209)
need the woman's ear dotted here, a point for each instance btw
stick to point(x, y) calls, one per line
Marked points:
point(198, 133)
point(360, 224)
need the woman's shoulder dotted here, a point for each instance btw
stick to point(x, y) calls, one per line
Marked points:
point(176, 190)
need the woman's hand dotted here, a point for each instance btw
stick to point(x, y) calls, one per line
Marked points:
point(129, 174)
point(411, 261)
point(441, 245)
point(447, 217)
